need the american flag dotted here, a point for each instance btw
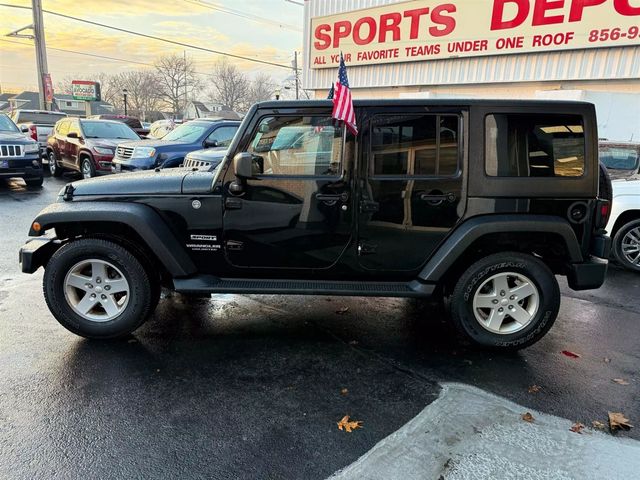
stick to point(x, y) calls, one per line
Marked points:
point(342, 101)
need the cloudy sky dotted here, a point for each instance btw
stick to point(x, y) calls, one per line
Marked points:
point(267, 30)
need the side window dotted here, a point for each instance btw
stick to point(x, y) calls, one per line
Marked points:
point(518, 145)
point(63, 127)
point(298, 146)
point(424, 145)
point(75, 127)
point(223, 135)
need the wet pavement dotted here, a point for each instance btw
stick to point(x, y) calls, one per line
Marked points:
point(252, 386)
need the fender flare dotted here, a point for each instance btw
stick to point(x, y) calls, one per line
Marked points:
point(471, 230)
point(143, 219)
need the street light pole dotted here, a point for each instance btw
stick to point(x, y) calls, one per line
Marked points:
point(124, 93)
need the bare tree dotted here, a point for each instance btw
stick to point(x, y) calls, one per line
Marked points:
point(230, 86)
point(176, 80)
point(142, 91)
point(261, 88)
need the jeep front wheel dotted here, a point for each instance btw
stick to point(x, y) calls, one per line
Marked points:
point(507, 300)
point(97, 289)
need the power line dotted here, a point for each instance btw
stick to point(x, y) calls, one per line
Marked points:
point(238, 13)
point(153, 37)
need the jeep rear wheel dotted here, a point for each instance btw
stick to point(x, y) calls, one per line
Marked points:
point(98, 289)
point(507, 300)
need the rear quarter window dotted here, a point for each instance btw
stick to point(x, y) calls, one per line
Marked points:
point(518, 145)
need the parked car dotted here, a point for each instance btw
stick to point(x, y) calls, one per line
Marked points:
point(170, 151)
point(431, 199)
point(205, 159)
point(160, 128)
point(624, 224)
point(134, 123)
point(85, 146)
point(622, 159)
point(19, 155)
point(37, 124)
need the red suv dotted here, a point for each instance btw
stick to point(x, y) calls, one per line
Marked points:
point(85, 146)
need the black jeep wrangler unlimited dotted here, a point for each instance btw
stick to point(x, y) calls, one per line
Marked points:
point(477, 202)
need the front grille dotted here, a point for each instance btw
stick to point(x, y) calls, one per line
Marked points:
point(124, 152)
point(191, 163)
point(11, 151)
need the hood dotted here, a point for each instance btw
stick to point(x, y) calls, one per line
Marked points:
point(148, 182)
point(105, 142)
point(153, 142)
point(14, 137)
point(208, 154)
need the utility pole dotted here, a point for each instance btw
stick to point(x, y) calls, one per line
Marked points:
point(41, 50)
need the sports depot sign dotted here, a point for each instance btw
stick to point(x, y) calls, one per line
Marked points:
point(430, 29)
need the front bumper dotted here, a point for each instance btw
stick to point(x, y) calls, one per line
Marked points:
point(37, 252)
point(25, 167)
point(132, 164)
point(591, 273)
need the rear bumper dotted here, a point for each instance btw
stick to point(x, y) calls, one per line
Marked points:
point(37, 252)
point(591, 273)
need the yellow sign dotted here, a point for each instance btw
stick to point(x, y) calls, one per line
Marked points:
point(434, 29)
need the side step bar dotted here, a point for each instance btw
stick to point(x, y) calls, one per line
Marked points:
point(212, 284)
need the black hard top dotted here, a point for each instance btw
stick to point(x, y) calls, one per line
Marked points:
point(418, 102)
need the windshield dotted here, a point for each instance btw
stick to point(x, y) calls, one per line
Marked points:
point(108, 130)
point(188, 133)
point(619, 158)
point(6, 125)
point(35, 117)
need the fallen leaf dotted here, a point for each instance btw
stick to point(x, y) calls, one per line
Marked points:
point(133, 340)
point(534, 389)
point(606, 360)
point(620, 381)
point(344, 391)
point(599, 425)
point(577, 427)
point(342, 311)
point(570, 354)
point(347, 425)
point(618, 421)
point(353, 342)
point(527, 417)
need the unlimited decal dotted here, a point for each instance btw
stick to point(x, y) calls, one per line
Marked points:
point(423, 29)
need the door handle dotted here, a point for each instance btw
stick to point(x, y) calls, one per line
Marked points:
point(368, 206)
point(329, 197)
point(439, 198)
point(231, 203)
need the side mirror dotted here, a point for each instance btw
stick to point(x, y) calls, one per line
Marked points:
point(24, 129)
point(72, 135)
point(243, 165)
point(210, 143)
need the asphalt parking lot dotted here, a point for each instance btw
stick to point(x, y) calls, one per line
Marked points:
point(252, 386)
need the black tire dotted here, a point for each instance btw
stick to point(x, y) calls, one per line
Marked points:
point(87, 169)
point(34, 182)
point(54, 169)
point(548, 305)
point(627, 233)
point(605, 189)
point(142, 292)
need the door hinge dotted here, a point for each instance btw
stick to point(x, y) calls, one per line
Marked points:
point(367, 249)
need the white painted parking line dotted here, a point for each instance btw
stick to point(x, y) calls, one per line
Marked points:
point(468, 433)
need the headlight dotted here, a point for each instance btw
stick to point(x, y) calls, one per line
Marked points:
point(144, 152)
point(103, 150)
point(32, 147)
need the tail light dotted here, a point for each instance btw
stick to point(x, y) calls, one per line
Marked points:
point(33, 132)
point(603, 210)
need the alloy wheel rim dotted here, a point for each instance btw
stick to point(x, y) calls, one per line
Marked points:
point(52, 164)
point(96, 290)
point(631, 246)
point(86, 169)
point(506, 303)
